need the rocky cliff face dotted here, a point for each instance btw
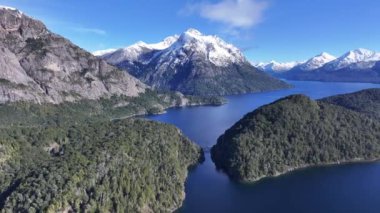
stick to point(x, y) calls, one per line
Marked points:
point(40, 66)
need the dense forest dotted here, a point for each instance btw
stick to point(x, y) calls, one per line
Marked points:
point(297, 132)
point(84, 156)
point(128, 165)
point(67, 142)
point(202, 78)
point(116, 107)
point(365, 101)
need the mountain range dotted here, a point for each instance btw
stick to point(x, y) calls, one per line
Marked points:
point(360, 65)
point(192, 63)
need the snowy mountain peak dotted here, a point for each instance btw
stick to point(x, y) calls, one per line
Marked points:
point(317, 61)
point(175, 49)
point(277, 67)
point(192, 31)
point(103, 52)
point(355, 59)
point(140, 43)
point(210, 47)
point(7, 8)
point(19, 13)
point(134, 51)
point(326, 55)
point(354, 56)
point(167, 42)
point(360, 54)
point(363, 51)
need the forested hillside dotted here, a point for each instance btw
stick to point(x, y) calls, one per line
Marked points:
point(297, 132)
point(129, 165)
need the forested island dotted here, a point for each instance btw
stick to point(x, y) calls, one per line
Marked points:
point(297, 132)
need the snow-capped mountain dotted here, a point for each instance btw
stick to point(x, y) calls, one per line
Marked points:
point(133, 52)
point(103, 52)
point(311, 64)
point(355, 56)
point(192, 63)
point(276, 67)
point(317, 62)
point(212, 48)
point(360, 65)
point(354, 59)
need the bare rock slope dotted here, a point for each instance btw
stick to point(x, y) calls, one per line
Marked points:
point(40, 66)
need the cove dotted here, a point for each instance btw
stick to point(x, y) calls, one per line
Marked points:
point(345, 188)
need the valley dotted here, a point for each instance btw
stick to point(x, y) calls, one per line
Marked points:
point(188, 124)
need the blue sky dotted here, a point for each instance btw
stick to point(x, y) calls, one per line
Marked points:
point(282, 30)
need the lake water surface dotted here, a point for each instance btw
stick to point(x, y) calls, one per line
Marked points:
point(346, 188)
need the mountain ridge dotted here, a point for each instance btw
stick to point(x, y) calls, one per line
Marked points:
point(359, 65)
point(194, 64)
point(40, 66)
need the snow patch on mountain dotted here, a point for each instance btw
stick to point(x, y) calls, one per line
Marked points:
point(179, 49)
point(354, 59)
point(134, 51)
point(317, 61)
point(19, 13)
point(354, 56)
point(7, 8)
point(211, 47)
point(277, 67)
point(103, 52)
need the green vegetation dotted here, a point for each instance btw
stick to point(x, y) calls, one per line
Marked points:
point(365, 101)
point(85, 157)
point(116, 107)
point(205, 79)
point(297, 132)
point(6, 82)
point(232, 80)
point(121, 166)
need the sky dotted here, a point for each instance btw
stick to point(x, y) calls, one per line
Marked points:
point(265, 30)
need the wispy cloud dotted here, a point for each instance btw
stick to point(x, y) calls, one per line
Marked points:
point(247, 48)
point(236, 14)
point(89, 30)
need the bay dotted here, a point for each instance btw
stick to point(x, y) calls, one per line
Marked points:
point(344, 188)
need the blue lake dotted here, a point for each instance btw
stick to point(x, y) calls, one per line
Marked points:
point(346, 188)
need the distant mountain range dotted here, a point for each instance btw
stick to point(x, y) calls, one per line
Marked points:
point(192, 63)
point(360, 65)
point(276, 67)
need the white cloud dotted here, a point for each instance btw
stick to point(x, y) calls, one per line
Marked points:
point(90, 30)
point(241, 14)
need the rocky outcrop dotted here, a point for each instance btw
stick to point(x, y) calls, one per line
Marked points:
point(40, 66)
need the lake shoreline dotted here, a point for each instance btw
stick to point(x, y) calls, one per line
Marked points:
point(306, 167)
point(203, 125)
